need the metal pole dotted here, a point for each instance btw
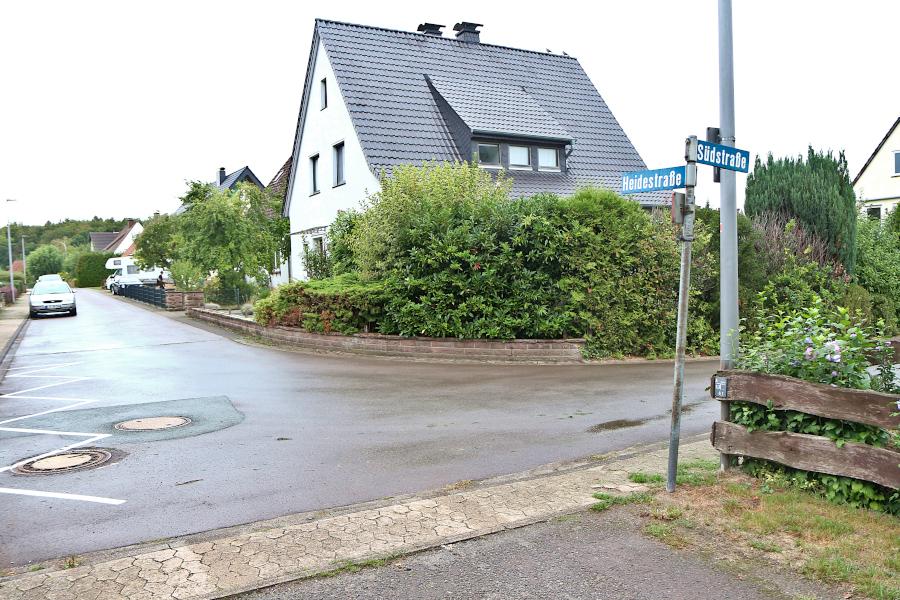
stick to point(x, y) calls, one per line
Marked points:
point(728, 335)
point(24, 265)
point(12, 285)
point(684, 288)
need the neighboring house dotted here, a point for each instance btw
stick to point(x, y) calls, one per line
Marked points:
point(278, 188)
point(229, 181)
point(376, 98)
point(118, 242)
point(877, 185)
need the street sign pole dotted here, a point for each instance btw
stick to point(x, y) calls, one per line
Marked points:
point(728, 248)
point(684, 287)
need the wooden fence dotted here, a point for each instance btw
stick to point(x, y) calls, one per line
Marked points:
point(802, 451)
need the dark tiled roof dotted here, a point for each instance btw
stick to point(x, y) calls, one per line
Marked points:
point(100, 240)
point(382, 77)
point(278, 185)
point(242, 174)
point(490, 108)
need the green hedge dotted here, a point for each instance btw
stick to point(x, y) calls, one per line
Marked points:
point(90, 269)
point(342, 304)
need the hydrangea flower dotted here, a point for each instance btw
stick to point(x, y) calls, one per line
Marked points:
point(810, 353)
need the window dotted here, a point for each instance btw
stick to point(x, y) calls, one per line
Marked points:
point(874, 212)
point(519, 157)
point(319, 244)
point(339, 164)
point(132, 269)
point(324, 91)
point(548, 159)
point(489, 155)
point(897, 162)
point(314, 174)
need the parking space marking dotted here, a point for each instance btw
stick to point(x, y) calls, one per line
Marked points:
point(61, 496)
point(90, 437)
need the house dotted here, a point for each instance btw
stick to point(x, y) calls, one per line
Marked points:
point(118, 242)
point(229, 181)
point(376, 98)
point(877, 185)
point(278, 188)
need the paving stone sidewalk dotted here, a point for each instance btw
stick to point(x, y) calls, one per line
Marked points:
point(247, 561)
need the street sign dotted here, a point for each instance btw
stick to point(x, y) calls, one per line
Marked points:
point(653, 180)
point(724, 157)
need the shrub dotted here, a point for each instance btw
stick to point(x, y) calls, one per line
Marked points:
point(316, 262)
point(90, 270)
point(824, 345)
point(45, 260)
point(340, 242)
point(817, 192)
point(878, 270)
point(187, 276)
point(341, 304)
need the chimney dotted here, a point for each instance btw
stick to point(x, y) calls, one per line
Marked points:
point(468, 32)
point(431, 29)
point(130, 223)
point(221, 176)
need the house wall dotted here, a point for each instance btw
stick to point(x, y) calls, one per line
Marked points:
point(128, 240)
point(320, 131)
point(878, 185)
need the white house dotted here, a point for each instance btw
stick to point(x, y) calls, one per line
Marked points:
point(120, 243)
point(375, 98)
point(877, 185)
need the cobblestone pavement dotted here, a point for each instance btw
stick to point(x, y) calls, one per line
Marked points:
point(246, 561)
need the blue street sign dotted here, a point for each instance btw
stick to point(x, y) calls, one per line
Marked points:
point(724, 157)
point(653, 180)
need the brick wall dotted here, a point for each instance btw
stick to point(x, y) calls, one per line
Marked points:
point(559, 351)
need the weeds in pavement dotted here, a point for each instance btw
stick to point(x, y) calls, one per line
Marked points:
point(34, 568)
point(71, 562)
point(607, 500)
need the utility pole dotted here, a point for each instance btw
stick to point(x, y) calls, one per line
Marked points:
point(12, 284)
point(728, 268)
point(682, 212)
point(24, 265)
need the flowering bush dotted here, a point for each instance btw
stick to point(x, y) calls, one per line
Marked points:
point(822, 345)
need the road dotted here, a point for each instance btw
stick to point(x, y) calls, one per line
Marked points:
point(276, 432)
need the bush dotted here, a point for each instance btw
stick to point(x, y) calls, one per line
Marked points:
point(45, 260)
point(817, 192)
point(90, 270)
point(342, 304)
point(187, 276)
point(825, 345)
point(316, 263)
point(878, 270)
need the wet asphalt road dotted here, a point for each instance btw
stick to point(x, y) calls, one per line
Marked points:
point(277, 432)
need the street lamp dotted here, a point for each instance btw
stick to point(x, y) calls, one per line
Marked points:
point(24, 265)
point(12, 284)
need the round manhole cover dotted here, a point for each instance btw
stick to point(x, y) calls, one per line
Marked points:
point(153, 423)
point(71, 460)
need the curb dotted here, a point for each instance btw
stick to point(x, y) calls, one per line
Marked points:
point(5, 357)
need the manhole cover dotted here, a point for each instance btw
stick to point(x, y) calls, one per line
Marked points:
point(153, 423)
point(71, 460)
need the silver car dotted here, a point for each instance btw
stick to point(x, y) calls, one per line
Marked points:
point(51, 297)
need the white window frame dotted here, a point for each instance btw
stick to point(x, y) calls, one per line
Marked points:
point(524, 167)
point(496, 165)
point(557, 167)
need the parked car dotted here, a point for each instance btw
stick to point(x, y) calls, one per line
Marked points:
point(50, 277)
point(51, 297)
point(127, 273)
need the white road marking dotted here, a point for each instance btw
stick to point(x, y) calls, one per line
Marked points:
point(39, 369)
point(49, 431)
point(41, 387)
point(91, 440)
point(45, 412)
point(61, 496)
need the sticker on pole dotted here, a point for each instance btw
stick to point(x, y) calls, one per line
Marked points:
point(653, 180)
point(724, 157)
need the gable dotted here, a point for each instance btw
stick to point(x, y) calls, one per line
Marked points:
point(878, 179)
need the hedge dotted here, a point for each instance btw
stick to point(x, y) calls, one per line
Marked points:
point(90, 270)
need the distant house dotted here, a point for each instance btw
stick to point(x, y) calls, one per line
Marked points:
point(877, 185)
point(118, 242)
point(377, 98)
point(229, 181)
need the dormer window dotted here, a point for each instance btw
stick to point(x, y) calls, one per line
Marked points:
point(489, 155)
point(519, 157)
point(548, 159)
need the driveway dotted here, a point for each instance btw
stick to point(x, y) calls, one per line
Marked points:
point(274, 432)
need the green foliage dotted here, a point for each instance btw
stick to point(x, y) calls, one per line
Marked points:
point(822, 344)
point(340, 237)
point(316, 262)
point(342, 304)
point(878, 270)
point(187, 276)
point(18, 280)
point(45, 260)
point(155, 247)
point(65, 235)
point(90, 270)
point(817, 192)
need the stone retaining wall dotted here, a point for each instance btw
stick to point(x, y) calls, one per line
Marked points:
point(558, 351)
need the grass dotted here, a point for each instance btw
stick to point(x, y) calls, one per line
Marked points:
point(71, 562)
point(35, 568)
point(692, 472)
point(356, 566)
point(608, 500)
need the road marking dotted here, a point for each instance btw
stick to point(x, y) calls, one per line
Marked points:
point(38, 369)
point(49, 431)
point(91, 440)
point(48, 411)
point(61, 496)
point(41, 387)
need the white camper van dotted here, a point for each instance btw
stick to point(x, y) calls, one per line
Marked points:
point(125, 272)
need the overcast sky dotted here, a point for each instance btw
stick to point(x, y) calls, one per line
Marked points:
point(107, 108)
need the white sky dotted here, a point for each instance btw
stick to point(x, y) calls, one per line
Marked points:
point(107, 108)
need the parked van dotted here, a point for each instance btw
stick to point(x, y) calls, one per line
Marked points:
point(126, 272)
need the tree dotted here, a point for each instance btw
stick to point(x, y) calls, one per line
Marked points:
point(817, 192)
point(45, 259)
point(155, 247)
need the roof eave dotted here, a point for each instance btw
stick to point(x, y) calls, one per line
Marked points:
point(521, 136)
